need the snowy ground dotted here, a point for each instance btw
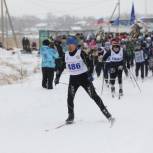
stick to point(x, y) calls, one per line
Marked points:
point(15, 66)
point(27, 111)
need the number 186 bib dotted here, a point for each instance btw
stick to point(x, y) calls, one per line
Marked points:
point(75, 63)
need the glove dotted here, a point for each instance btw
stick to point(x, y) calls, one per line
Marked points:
point(90, 78)
point(120, 67)
point(112, 70)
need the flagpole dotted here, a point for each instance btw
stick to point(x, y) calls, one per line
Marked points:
point(109, 27)
point(146, 7)
point(119, 14)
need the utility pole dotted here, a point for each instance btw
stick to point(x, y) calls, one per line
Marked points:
point(4, 6)
point(6, 25)
point(11, 24)
point(2, 21)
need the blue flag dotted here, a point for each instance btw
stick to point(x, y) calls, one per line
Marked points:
point(116, 22)
point(132, 19)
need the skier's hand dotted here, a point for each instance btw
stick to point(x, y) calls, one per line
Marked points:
point(120, 67)
point(90, 77)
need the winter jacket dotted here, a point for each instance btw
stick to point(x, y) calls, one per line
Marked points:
point(48, 56)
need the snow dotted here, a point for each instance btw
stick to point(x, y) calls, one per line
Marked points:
point(27, 112)
point(14, 65)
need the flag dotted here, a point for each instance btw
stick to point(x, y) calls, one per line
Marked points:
point(116, 22)
point(132, 19)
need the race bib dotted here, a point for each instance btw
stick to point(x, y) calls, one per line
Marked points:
point(74, 67)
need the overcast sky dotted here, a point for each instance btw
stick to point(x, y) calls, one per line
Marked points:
point(79, 8)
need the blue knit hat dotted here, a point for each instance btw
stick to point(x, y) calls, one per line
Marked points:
point(72, 41)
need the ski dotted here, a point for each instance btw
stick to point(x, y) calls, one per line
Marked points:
point(112, 121)
point(59, 126)
point(113, 94)
point(64, 124)
point(120, 95)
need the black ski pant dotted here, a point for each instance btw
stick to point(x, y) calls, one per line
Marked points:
point(106, 71)
point(47, 77)
point(60, 66)
point(59, 72)
point(82, 80)
point(131, 60)
point(116, 72)
point(99, 66)
point(139, 66)
point(146, 67)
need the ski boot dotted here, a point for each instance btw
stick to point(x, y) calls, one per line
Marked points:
point(120, 93)
point(107, 84)
point(70, 118)
point(113, 91)
point(111, 120)
point(108, 116)
point(56, 81)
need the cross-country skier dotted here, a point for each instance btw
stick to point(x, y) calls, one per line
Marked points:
point(107, 49)
point(77, 64)
point(146, 58)
point(99, 64)
point(118, 60)
point(139, 60)
point(60, 61)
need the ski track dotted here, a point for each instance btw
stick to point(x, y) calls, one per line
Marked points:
point(27, 110)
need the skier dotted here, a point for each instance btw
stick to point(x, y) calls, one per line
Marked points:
point(107, 48)
point(151, 60)
point(48, 64)
point(146, 57)
point(130, 51)
point(60, 61)
point(77, 63)
point(139, 60)
point(118, 60)
point(99, 64)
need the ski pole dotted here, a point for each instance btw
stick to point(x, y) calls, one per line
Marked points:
point(102, 88)
point(135, 80)
point(132, 80)
point(64, 83)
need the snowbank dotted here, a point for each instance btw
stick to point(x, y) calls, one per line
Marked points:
point(15, 66)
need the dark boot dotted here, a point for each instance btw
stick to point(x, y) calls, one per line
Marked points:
point(106, 113)
point(113, 91)
point(50, 88)
point(121, 92)
point(56, 81)
point(111, 121)
point(70, 118)
point(109, 117)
